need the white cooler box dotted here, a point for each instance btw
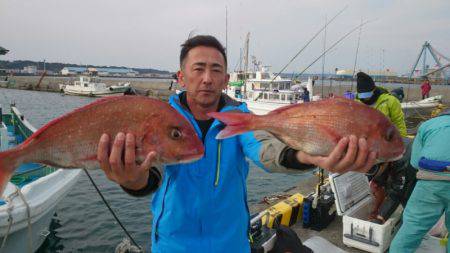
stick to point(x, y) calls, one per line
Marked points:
point(354, 201)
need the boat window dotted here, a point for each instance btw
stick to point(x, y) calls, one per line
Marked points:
point(289, 97)
point(265, 95)
point(283, 97)
point(274, 96)
point(85, 85)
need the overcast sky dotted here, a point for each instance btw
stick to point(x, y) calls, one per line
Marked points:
point(144, 33)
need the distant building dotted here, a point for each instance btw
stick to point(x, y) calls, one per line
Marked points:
point(98, 71)
point(32, 70)
point(68, 71)
point(116, 72)
point(347, 73)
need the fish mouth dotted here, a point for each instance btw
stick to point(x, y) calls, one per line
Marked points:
point(188, 158)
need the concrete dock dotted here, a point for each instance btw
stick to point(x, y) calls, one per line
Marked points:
point(333, 233)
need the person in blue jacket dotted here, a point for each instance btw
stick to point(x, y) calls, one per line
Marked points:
point(202, 206)
point(430, 198)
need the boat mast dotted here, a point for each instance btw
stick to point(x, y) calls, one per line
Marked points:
point(226, 31)
point(247, 40)
point(323, 58)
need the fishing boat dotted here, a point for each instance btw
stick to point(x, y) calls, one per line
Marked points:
point(30, 198)
point(93, 87)
point(430, 102)
point(263, 91)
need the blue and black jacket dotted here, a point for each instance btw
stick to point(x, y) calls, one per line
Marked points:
point(202, 206)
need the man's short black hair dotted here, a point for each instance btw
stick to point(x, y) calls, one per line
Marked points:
point(201, 40)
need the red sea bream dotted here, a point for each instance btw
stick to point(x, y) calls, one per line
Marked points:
point(71, 141)
point(316, 127)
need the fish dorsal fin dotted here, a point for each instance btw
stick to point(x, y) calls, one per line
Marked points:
point(83, 108)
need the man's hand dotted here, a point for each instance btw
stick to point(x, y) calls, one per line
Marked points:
point(350, 154)
point(126, 173)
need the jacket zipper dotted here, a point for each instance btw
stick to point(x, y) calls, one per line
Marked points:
point(216, 180)
point(162, 210)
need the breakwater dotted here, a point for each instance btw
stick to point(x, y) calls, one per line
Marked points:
point(160, 87)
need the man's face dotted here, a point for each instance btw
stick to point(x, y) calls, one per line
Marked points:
point(203, 75)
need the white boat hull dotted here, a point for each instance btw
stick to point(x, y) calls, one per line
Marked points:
point(261, 108)
point(422, 104)
point(42, 197)
point(92, 93)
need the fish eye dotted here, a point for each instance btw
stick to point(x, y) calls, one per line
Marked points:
point(390, 134)
point(175, 134)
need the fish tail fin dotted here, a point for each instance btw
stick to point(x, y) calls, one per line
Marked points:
point(236, 123)
point(9, 160)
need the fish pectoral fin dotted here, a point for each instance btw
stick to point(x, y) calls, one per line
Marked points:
point(328, 133)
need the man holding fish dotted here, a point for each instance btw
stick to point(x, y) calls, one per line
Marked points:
point(201, 206)
point(199, 184)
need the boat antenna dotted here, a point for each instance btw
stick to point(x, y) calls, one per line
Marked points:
point(324, 48)
point(307, 43)
point(239, 62)
point(356, 56)
point(332, 46)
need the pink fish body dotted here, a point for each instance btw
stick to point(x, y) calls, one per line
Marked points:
point(316, 127)
point(71, 140)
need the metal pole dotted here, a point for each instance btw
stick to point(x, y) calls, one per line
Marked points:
point(417, 61)
point(424, 60)
point(226, 31)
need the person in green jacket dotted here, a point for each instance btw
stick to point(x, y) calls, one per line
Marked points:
point(430, 198)
point(380, 99)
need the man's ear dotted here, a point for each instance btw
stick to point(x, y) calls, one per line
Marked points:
point(180, 76)
point(227, 79)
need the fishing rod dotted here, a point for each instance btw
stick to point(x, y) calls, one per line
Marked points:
point(307, 44)
point(112, 212)
point(356, 55)
point(337, 42)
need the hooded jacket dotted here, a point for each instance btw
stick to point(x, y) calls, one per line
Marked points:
point(202, 206)
point(391, 107)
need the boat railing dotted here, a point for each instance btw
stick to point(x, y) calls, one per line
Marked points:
point(22, 124)
point(37, 171)
point(29, 172)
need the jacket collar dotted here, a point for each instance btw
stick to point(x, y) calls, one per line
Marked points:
point(229, 105)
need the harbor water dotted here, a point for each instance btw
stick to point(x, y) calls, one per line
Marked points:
point(82, 222)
